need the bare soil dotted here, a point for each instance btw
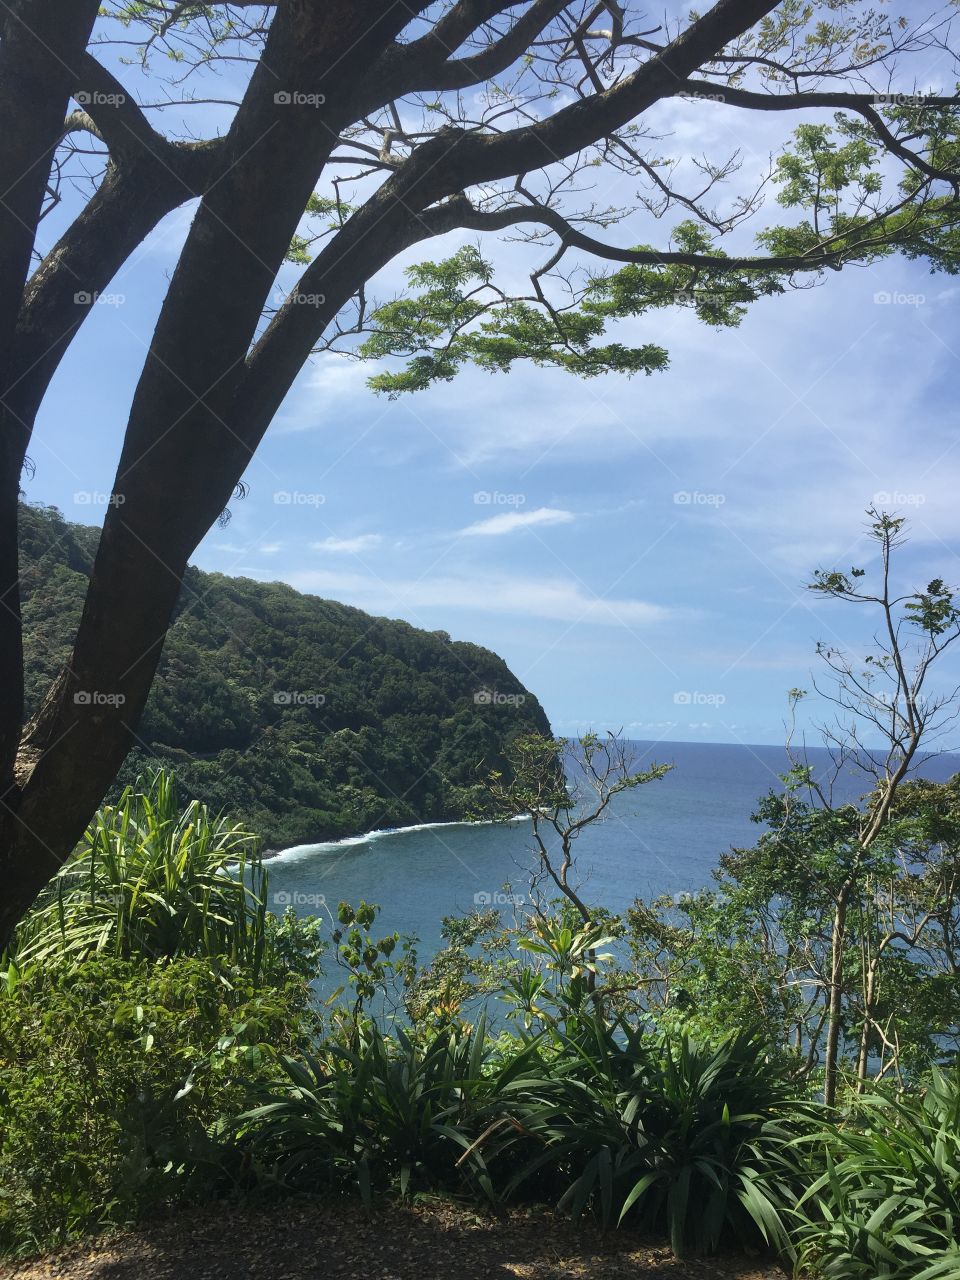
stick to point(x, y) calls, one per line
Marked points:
point(337, 1241)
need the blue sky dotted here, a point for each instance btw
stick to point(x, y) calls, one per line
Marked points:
point(635, 549)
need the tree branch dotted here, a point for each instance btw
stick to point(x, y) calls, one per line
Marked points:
point(118, 119)
point(862, 104)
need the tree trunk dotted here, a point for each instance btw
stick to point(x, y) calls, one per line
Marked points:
point(869, 997)
point(182, 456)
point(835, 1008)
point(43, 43)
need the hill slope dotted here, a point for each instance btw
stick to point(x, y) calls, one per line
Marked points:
point(307, 718)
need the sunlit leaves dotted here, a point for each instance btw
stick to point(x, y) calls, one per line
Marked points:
point(853, 209)
point(820, 168)
point(933, 610)
point(455, 314)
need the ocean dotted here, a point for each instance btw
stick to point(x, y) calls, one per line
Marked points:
point(664, 838)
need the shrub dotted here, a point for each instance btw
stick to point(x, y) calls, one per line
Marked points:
point(673, 1135)
point(142, 996)
point(114, 1077)
point(665, 1132)
point(388, 1112)
point(152, 879)
point(886, 1202)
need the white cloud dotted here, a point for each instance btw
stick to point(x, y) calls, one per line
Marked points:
point(348, 546)
point(324, 387)
point(508, 521)
point(270, 548)
point(556, 599)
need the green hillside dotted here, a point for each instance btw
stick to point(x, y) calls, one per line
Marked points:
point(307, 718)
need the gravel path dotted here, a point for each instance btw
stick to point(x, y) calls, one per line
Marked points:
point(335, 1241)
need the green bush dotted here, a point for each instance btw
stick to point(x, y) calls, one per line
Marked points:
point(141, 998)
point(668, 1134)
point(389, 1112)
point(114, 1077)
point(886, 1202)
point(152, 879)
point(673, 1135)
point(589, 1110)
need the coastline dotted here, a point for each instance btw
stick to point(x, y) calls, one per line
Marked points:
point(299, 852)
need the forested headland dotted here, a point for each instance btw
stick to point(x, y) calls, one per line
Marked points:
point(305, 718)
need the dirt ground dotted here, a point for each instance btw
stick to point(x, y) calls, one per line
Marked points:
point(336, 1241)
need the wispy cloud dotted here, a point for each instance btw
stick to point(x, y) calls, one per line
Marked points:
point(348, 546)
point(510, 521)
point(554, 598)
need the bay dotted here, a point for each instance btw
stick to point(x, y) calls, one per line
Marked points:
point(665, 838)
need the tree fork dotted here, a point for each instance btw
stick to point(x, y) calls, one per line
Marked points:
point(171, 484)
point(40, 54)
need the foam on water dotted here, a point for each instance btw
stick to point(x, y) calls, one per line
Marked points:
point(301, 852)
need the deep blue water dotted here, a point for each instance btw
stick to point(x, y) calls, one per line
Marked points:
point(666, 837)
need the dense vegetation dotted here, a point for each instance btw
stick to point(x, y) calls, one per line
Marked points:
point(772, 1062)
point(303, 718)
point(158, 1046)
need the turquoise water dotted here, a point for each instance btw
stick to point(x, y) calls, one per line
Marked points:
point(664, 838)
